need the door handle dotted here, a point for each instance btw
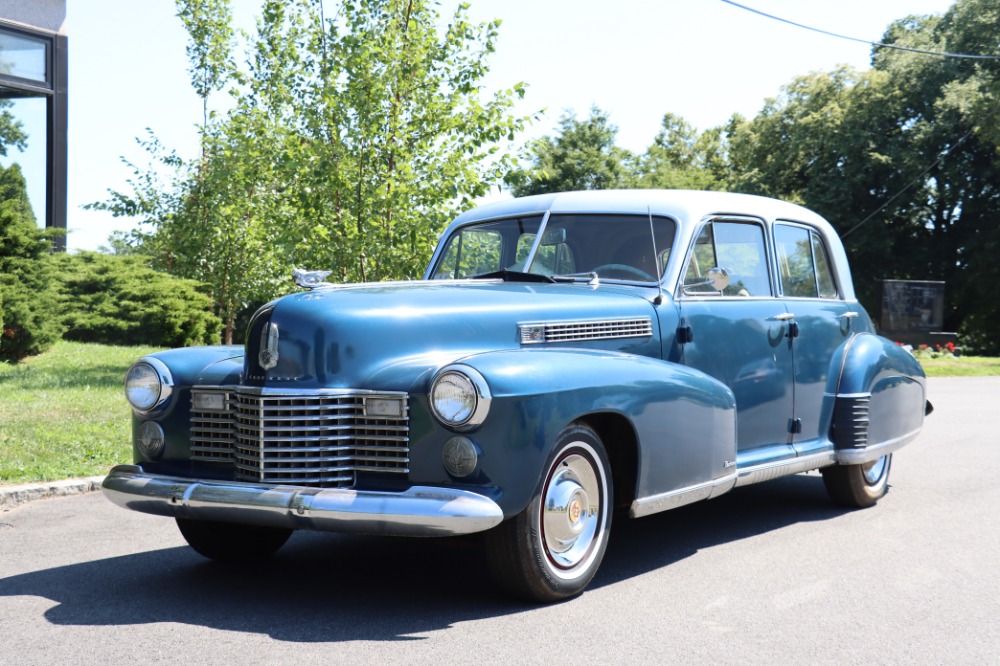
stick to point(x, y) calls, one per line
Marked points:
point(849, 315)
point(784, 316)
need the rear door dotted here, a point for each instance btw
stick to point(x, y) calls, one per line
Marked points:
point(823, 321)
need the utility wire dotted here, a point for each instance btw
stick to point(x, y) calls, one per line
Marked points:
point(943, 54)
point(910, 184)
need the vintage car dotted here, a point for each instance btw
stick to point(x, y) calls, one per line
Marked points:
point(565, 356)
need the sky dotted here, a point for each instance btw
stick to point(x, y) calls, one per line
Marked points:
point(636, 59)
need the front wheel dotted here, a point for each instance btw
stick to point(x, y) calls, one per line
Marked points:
point(230, 542)
point(858, 486)
point(552, 549)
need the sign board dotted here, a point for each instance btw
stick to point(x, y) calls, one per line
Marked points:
point(911, 306)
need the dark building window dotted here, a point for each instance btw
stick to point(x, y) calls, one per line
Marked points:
point(33, 113)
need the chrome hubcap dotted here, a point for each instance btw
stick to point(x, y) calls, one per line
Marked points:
point(874, 470)
point(571, 511)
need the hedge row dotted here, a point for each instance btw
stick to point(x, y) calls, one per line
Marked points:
point(90, 297)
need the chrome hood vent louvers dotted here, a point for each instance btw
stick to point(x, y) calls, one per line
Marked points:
point(585, 330)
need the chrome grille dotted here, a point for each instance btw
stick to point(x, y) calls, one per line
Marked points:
point(577, 331)
point(212, 432)
point(311, 439)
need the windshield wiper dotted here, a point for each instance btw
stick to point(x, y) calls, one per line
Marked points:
point(513, 276)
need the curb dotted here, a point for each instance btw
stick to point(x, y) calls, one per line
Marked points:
point(12, 496)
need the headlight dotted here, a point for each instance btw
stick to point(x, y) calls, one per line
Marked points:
point(148, 384)
point(460, 398)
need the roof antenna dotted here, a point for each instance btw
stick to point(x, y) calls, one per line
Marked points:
point(656, 260)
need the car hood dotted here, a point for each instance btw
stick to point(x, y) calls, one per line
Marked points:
point(390, 337)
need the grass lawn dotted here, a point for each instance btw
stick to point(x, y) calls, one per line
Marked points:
point(63, 414)
point(961, 366)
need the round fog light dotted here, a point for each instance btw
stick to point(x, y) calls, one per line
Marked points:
point(460, 456)
point(150, 439)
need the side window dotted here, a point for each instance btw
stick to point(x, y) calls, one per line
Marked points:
point(737, 247)
point(824, 276)
point(803, 263)
point(469, 253)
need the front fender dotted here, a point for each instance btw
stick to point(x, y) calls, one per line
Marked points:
point(880, 399)
point(684, 420)
point(188, 366)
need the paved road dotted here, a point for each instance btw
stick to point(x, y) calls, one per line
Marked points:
point(766, 574)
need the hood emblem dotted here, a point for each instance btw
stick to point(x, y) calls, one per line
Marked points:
point(309, 279)
point(268, 356)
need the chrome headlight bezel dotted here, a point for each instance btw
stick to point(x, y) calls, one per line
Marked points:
point(148, 385)
point(461, 384)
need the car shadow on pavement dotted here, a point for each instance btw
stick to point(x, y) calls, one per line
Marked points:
point(330, 587)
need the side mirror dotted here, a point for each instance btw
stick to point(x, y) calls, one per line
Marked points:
point(718, 278)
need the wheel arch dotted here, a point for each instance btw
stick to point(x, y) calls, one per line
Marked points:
point(621, 443)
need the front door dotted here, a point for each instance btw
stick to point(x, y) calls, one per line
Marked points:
point(740, 335)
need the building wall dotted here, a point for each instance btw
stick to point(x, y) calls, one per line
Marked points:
point(41, 14)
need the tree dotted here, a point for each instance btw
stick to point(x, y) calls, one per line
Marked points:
point(28, 324)
point(351, 142)
point(209, 51)
point(911, 144)
point(12, 134)
point(681, 157)
point(582, 156)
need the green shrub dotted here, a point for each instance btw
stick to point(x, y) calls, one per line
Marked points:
point(120, 300)
point(30, 324)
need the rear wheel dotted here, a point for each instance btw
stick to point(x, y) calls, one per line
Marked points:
point(231, 542)
point(858, 486)
point(552, 549)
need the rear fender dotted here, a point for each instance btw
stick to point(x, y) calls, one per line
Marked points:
point(880, 399)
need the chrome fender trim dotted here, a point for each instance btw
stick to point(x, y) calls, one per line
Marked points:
point(671, 500)
point(768, 471)
point(417, 511)
point(875, 451)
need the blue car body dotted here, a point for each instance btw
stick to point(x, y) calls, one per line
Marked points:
point(323, 420)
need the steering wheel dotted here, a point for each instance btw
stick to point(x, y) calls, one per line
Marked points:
point(625, 268)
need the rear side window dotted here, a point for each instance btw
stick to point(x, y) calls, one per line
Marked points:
point(803, 263)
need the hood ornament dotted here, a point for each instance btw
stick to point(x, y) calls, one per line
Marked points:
point(309, 279)
point(268, 356)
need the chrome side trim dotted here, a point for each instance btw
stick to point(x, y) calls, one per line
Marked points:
point(417, 511)
point(768, 471)
point(876, 451)
point(645, 506)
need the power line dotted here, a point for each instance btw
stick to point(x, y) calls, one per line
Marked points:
point(943, 54)
point(910, 184)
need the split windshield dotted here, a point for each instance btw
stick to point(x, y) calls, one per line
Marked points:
point(615, 247)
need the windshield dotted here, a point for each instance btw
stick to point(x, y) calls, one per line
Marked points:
point(615, 247)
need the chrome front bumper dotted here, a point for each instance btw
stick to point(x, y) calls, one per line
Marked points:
point(418, 511)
